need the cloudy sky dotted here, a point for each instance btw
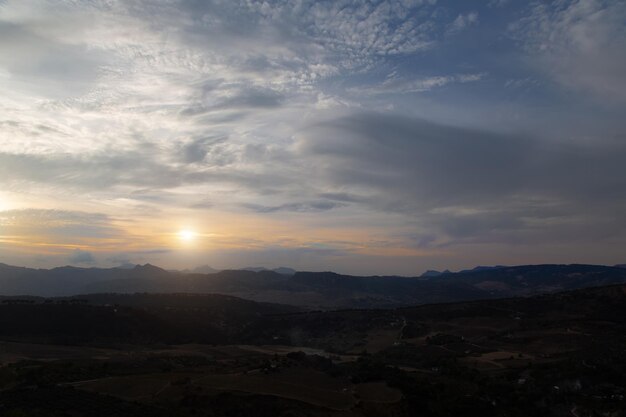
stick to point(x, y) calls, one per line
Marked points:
point(365, 137)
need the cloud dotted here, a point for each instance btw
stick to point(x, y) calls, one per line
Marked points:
point(397, 154)
point(462, 22)
point(314, 206)
point(203, 205)
point(395, 84)
point(346, 35)
point(467, 183)
point(137, 256)
point(243, 98)
point(196, 150)
point(498, 3)
point(186, 94)
point(119, 259)
point(579, 44)
point(38, 64)
point(64, 224)
point(158, 111)
point(100, 170)
point(81, 257)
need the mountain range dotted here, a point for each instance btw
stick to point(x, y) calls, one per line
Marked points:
point(314, 290)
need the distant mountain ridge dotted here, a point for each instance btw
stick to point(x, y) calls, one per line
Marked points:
point(324, 290)
point(433, 273)
point(481, 268)
point(202, 269)
point(280, 270)
point(207, 269)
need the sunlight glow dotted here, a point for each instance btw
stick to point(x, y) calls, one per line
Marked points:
point(4, 202)
point(187, 235)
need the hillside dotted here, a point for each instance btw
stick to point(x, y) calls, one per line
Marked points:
point(131, 318)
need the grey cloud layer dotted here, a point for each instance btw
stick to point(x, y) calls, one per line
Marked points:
point(467, 183)
point(61, 223)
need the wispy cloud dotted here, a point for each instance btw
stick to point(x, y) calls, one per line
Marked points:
point(462, 22)
point(314, 206)
point(395, 84)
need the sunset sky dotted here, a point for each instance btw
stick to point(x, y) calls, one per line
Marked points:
point(364, 137)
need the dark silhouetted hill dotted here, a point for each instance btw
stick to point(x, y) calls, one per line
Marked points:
point(131, 318)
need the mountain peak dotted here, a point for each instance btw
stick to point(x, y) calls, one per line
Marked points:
point(148, 268)
point(204, 269)
point(283, 270)
point(433, 273)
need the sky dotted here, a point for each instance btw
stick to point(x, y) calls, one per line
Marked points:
point(363, 137)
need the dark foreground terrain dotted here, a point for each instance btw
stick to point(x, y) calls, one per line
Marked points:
point(561, 354)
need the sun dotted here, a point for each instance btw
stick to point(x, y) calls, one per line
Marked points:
point(186, 235)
